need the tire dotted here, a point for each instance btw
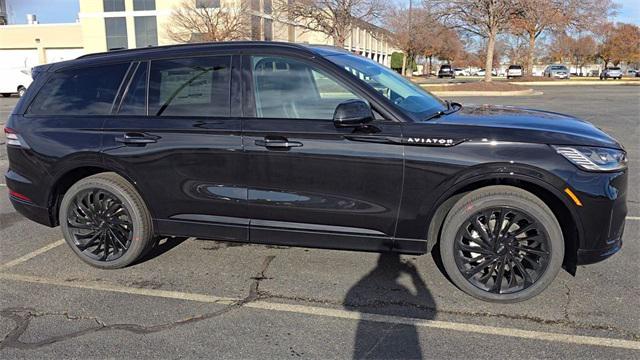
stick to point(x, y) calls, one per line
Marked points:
point(506, 201)
point(6, 94)
point(21, 91)
point(126, 233)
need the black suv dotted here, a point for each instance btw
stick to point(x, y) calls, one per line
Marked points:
point(446, 71)
point(309, 146)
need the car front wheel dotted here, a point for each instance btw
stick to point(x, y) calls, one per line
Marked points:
point(105, 221)
point(501, 244)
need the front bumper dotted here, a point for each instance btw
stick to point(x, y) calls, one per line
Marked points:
point(590, 256)
point(603, 214)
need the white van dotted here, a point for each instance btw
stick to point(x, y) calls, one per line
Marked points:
point(14, 81)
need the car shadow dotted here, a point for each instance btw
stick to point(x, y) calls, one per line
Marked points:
point(160, 246)
point(383, 291)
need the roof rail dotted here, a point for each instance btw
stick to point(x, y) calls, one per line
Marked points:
point(194, 45)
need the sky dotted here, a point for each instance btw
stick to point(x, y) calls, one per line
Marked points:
point(56, 11)
point(629, 12)
point(47, 11)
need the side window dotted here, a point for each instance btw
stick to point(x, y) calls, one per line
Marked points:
point(134, 102)
point(289, 89)
point(190, 87)
point(86, 91)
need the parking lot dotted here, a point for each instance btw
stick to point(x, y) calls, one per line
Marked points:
point(196, 298)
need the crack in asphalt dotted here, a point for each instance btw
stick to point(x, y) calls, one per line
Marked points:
point(22, 317)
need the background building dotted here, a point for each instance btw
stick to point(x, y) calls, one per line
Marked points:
point(104, 25)
point(3, 13)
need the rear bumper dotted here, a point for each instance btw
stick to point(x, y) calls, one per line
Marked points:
point(32, 211)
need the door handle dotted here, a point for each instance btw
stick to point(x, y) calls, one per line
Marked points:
point(137, 139)
point(277, 143)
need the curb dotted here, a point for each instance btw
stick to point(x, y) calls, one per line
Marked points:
point(529, 92)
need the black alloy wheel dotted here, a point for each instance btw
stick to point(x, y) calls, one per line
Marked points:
point(501, 243)
point(502, 250)
point(105, 221)
point(100, 225)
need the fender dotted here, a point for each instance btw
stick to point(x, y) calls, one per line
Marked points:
point(495, 172)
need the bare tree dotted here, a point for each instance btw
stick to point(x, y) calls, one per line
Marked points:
point(484, 18)
point(335, 18)
point(618, 42)
point(535, 17)
point(191, 22)
point(584, 50)
point(420, 36)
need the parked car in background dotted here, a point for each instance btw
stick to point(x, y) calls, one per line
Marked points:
point(632, 72)
point(557, 71)
point(481, 72)
point(446, 71)
point(460, 72)
point(514, 71)
point(593, 73)
point(612, 72)
point(14, 81)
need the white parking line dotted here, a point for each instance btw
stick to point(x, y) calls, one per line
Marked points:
point(31, 255)
point(633, 217)
point(338, 313)
point(3, 185)
point(94, 285)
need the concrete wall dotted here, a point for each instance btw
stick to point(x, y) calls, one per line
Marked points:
point(41, 37)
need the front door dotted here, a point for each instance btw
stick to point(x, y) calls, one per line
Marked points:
point(183, 147)
point(306, 178)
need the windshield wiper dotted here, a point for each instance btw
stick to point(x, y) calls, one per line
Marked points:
point(451, 108)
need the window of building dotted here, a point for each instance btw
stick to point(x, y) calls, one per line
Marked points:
point(116, 30)
point(140, 5)
point(190, 87)
point(207, 4)
point(267, 6)
point(113, 5)
point(87, 91)
point(288, 89)
point(135, 101)
point(146, 31)
point(256, 23)
point(268, 29)
point(255, 5)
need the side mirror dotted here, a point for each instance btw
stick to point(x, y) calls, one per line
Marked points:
point(352, 113)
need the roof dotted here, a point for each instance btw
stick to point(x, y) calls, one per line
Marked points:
point(187, 49)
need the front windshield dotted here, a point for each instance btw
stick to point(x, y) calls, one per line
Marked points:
point(410, 98)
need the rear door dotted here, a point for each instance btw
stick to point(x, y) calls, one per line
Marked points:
point(309, 182)
point(177, 136)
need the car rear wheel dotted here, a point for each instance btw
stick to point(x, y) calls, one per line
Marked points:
point(501, 244)
point(21, 91)
point(105, 221)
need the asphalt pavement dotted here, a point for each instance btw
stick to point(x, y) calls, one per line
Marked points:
point(194, 298)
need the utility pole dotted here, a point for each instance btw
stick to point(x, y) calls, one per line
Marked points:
point(410, 63)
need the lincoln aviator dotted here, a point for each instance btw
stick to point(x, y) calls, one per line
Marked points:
point(313, 146)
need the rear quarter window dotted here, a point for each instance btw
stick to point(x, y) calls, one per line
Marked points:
point(197, 86)
point(80, 91)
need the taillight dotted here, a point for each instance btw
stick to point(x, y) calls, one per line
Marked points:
point(19, 196)
point(12, 137)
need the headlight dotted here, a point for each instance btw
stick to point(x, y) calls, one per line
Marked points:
point(593, 158)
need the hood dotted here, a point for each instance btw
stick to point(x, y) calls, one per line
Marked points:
point(519, 124)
